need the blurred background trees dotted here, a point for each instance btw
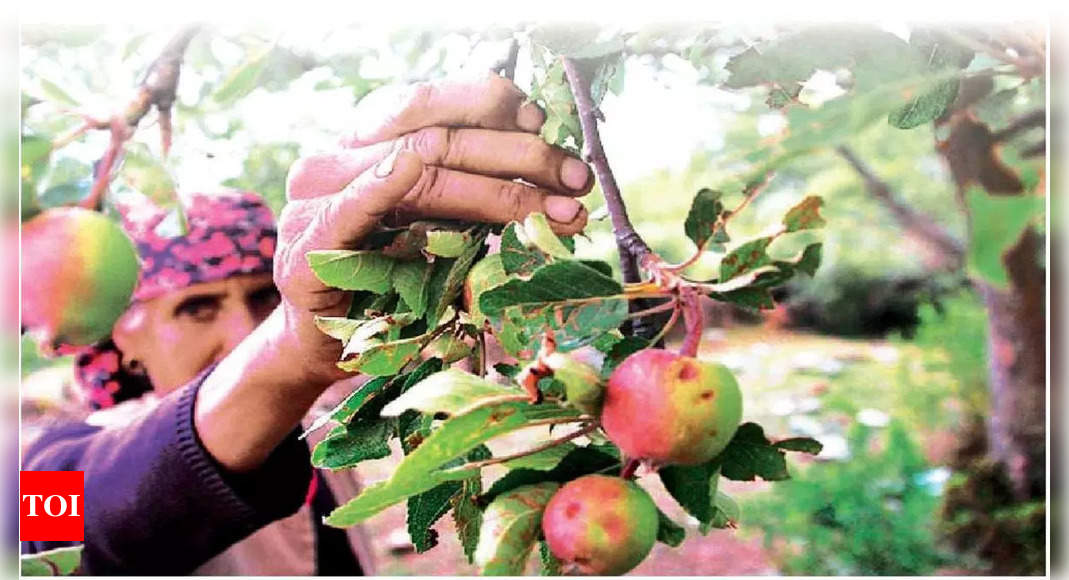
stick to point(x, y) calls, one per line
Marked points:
point(916, 353)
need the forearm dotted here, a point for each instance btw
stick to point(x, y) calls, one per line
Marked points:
point(155, 501)
point(258, 394)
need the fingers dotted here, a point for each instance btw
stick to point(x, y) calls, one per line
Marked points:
point(449, 194)
point(342, 220)
point(491, 103)
point(507, 155)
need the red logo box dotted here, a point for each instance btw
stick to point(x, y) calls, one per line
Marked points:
point(51, 506)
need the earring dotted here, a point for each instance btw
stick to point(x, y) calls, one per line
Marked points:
point(133, 367)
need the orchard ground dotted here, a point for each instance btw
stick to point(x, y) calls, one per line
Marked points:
point(794, 384)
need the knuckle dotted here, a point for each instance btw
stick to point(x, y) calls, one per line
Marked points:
point(428, 186)
point(430, 143)
point(512, 199)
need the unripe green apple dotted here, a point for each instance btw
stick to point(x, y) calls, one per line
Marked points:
point(79, 270)
point(671, 409)
point(600, 525)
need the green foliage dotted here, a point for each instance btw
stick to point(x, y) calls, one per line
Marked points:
point(997, 224)
point(870, 515)
point(57, 562)
point(511, 525)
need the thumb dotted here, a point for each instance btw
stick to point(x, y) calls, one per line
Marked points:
point(351, 214)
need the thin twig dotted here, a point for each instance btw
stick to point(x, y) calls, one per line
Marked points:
point(750, 192)
point(538, 449)
point(629, 468)
point(659, 308)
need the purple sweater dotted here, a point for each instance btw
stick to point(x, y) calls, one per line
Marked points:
point(157, 503)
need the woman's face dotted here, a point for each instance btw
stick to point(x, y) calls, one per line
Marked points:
point(177, 335)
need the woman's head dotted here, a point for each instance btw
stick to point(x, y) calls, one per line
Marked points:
point(198, 296)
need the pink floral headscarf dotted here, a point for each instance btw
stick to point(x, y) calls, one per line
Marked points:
point(229, 234)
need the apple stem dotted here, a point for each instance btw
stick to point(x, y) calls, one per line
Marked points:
point(629, 468)
point(693, 319)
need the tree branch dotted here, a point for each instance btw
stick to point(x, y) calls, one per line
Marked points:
point(909, 218)
point(634, 251)
point(1022, 123)
point(157, 88)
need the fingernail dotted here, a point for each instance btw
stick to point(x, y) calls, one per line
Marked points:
point(529, 117)
point(574, 173)
point(562, 209)
point(385, 167)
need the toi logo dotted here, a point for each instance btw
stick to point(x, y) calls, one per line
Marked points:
point(51, 506)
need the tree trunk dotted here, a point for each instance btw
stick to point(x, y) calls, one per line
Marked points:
point(1017, 369)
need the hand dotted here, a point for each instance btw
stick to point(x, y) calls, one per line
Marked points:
point(446, 150)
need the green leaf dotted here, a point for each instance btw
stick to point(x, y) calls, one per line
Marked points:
point(805, 215)
point(420, 470)
point(694, 487)
point(544, 460)
point(356, 442)
point(578, 40)
point(875, 56)
point(449, 274)
point(352, 270)
point(551, 566)
point(451, 391)
point(511, 525)
point(427, 508)
point(996, 223)
point(57, 562)
point(669, 532)
point(53, 92)
point(485, 274)
point(750, 454)
point(447, 243)
point(386, 358)
point(351, 405)
point(577, 463)
point(810, 259)
point(242, 80)
point(925, 107)
point(800, 444)
point(541, 236)
point(516, 257)
point(34, 149)
point(703, 217)
point(467, 517)
point(574, 300)
point(555, 96)
point(727, 511)
point(942, 54)
point(744, 258)
point(412, 280)
point(759, 298)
